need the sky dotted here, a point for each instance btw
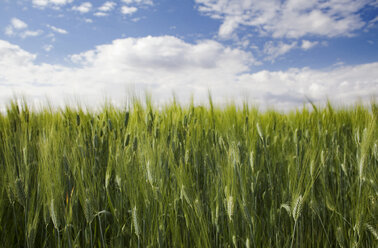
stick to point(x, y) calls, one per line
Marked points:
point(271, 53)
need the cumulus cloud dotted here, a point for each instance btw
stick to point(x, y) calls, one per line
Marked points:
point(18, 28)
point(100, 14)
point(57, 30)
point(31, 33)
point(54, 3)
point(166, 64)
point(290, 88)
point(83, 8)
point(105, 9)
point(164, 54)
point(288, 18)
point(226, 30)
point(107, 6)
point(306, 44)
point(131, 8)
point(128, 10)
point(14, 55)
point(15, 24)
point(48, 48)
point(273, 50)
point(18, 24)
point(145, 2)
point(372, 23)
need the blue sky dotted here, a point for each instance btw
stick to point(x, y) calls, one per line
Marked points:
point(273, 52)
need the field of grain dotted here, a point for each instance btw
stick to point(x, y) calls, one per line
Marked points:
point(188, 176)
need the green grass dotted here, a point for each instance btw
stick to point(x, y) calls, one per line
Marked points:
point(188, 176)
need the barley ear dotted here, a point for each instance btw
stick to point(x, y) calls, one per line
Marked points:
point(297, 207)
point(230, 207)
point(53, 215)
point(287, 208)
point(88, 211)
point(135, 220)
point(372, 230)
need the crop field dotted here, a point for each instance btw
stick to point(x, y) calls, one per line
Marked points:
point(188, 176)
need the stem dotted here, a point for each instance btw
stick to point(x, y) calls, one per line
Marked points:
point(15, 224)
point(69, 237)
point(292, 237)
point(90, 233)
point(25, 224)
point(57, 231)
point(102, 236)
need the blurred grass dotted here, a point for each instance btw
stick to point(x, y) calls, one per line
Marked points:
point(188, 176)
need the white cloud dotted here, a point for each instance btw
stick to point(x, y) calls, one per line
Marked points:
point(83, 8)
point(14, 55)
point(105, 9)
point(228, 27)
point(31, 33)
point(40, 2)
point(145, 2)
point(15, 24)
point(136, 19)
point(100, 14)
point(285, 89)
point(9, 31)
point(48, 48)
point(160, 64)
point(165, 53)
point(18, 24)
point(54, 3)
point(288, 18)
point(57, 30)
point(88, 20)
point(128, 10)
point(276, 49)
point(306, 44)
point(372, 22)
point(107, 6)
point(165, 64)
point(17, 28)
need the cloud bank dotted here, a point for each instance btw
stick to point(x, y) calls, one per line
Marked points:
point(166, 64)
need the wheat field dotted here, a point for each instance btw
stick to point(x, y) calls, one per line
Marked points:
point(188, 176)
